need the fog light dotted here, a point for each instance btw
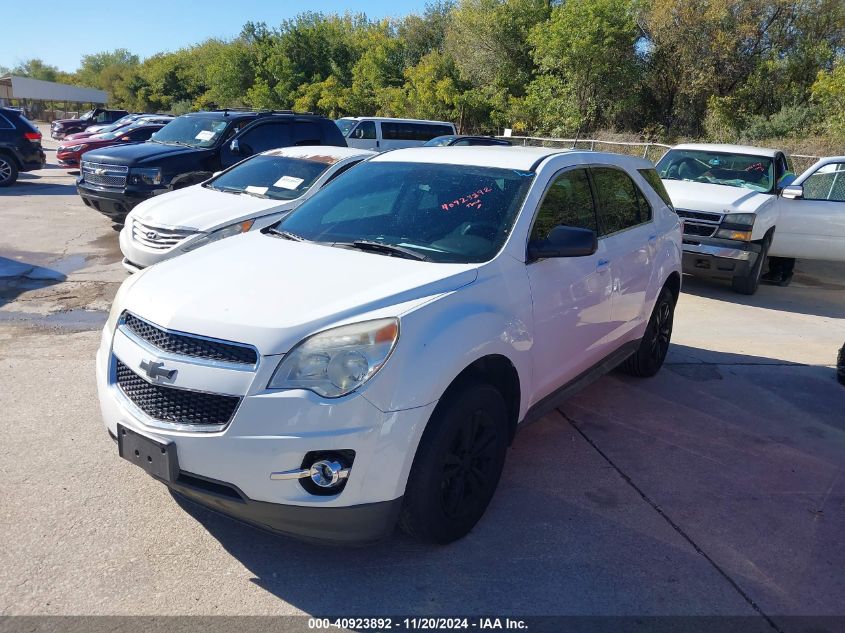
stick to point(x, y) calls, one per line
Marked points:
point(327, 473)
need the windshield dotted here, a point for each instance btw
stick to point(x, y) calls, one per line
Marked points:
point(276, 177)
point(717, 168)
point(446, 213)
point(194, 131)
point(439, 141)
point(345, 125)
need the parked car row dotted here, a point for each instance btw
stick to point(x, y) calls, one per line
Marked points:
point(136, 130)
point(326, 340)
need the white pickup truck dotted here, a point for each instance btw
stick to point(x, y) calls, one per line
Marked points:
point(741, 204)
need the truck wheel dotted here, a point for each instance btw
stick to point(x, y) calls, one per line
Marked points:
point(8, 171)
point(457, 465)
point(748, 285)
point(649, 357)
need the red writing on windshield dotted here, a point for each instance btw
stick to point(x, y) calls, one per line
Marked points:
point(472, 200)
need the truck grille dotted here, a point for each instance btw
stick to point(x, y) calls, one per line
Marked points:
point(104, 175)
point(187, 345)
point(177, 406)
point(699, 223)
point(157, 237)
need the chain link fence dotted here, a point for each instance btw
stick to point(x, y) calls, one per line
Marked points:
point(650, 151)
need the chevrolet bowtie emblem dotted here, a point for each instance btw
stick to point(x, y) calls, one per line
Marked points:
point(99, 171)
point(156, 370)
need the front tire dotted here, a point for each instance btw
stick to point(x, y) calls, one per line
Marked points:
point(749, 284)
point(649, 357)
point(457, 466)
point(8, 171)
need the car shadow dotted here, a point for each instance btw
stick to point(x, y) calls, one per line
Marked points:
point(38, 188)
point(17, 277)
point(809, 293)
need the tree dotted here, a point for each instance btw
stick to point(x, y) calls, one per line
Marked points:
point(36, 69)
point(588, 47)
point(487, 39)
point(829, 92)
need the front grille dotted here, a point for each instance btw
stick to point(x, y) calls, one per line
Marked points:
point(177, 406)
point(699, 223)
point(157, 237)
point(104, 175)
point(188, 345)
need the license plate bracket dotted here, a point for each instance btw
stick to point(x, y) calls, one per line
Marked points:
point(156, 458)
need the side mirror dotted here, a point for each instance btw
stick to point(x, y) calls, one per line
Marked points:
point(235, 147)
point(792, 192)
point(564, 241)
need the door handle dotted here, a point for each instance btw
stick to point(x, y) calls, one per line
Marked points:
point(652, 238)
point(602, 264)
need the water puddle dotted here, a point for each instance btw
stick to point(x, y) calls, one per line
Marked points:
point(76, 320)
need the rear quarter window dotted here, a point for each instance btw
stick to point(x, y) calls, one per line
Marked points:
point(653, 179)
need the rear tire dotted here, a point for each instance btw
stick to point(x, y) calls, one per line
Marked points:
point(8, 171)
point(748, 284)
point(649, 357)
point(457, 466)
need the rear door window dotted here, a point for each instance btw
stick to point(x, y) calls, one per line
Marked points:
point(619, 207)
point(265, 136)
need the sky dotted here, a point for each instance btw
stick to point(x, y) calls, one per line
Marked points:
point(60, 33)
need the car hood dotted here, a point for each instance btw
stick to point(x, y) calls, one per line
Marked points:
point(203, 209)
point(138, 153)
point(65, 121)
point(698, 196)
point(271, 292)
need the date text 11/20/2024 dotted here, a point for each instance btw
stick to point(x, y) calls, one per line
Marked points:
point(436, 624)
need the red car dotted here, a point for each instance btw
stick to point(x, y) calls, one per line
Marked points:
point(69, 153)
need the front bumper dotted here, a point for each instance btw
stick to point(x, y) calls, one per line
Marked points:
point(68, 160)
point(112, 203)
point(719, 259)
point(229, 470)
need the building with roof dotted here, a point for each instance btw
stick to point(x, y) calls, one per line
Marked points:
point(42, 99)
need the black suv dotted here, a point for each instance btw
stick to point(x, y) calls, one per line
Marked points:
point(20, 146)
point(61, 128)
point(188, 150)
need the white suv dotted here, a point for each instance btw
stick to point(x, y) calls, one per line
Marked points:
point(370, 357)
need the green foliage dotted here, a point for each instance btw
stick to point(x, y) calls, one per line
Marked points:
point(829, 93)
point(723, 69)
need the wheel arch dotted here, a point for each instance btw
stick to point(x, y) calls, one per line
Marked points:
point(498, 371)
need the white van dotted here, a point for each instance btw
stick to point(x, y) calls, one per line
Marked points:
point(377, 133)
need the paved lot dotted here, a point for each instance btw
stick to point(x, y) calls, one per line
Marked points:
point(715, 488)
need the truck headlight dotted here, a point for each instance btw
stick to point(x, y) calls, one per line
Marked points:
point(736, 226)
point(145, 176)
point(335, 362)
point(219, 234)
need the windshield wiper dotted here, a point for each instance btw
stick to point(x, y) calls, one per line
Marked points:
point(385, 249)
point(286, 234)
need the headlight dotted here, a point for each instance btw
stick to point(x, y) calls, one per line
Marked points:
point(736, 226)
point(337, 361)
point(145, 176)
point(219, 234)
point(74, 148)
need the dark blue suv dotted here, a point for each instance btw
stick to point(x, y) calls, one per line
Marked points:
point(20, 146)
